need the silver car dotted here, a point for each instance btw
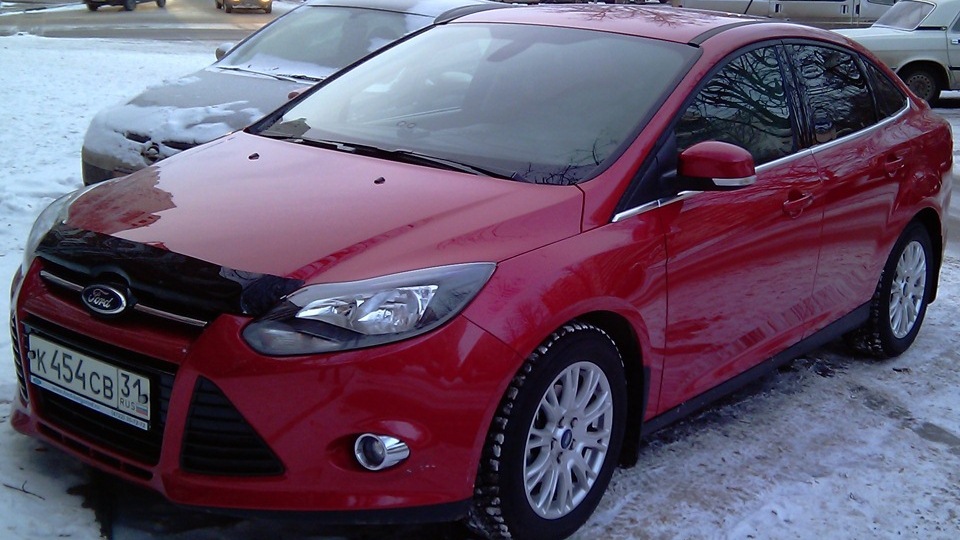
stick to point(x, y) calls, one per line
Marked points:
point(251, 79)
point(920, 41)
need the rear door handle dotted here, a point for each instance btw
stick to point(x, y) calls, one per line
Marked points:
point(893, 164)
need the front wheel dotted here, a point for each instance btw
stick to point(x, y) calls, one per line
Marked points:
point(900, 301)
point(92, 7)
point(555, 441)
point(161, 3)
point(129, 5)
point(923, 83)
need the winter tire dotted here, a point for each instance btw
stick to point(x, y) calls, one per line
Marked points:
point(161, 3)
point(92, 6)
point(900, 301)
point(555, 440)
point(129, 5)
point(227, 7)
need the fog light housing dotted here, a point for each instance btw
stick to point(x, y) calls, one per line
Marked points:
point(378, 452)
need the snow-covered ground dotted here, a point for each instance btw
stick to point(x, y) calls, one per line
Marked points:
point(831, 447)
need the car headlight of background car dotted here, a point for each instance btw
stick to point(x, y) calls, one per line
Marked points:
point(341, 316)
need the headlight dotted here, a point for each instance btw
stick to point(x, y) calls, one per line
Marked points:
point(340, 316)
point(54, 214)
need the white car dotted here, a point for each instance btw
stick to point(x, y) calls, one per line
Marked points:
point(920, 41)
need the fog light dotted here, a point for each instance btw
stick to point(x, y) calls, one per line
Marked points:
point(378, 452)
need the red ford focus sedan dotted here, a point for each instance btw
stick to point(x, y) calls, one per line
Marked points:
point(463, 278)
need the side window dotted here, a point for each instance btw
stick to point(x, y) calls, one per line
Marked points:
point(890, 100)
point(744, 104)
point(835, 89)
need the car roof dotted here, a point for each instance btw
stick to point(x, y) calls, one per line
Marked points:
point(666, 23)
point(430, 8)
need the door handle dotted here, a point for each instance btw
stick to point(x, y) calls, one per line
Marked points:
point(797, 203)
point(893, 164)
point(955, 41)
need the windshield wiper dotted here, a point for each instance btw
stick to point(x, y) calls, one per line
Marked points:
point(279, 77)
point(301, 77)
point(401, 155)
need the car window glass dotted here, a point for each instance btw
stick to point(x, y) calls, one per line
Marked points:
point(836, 91)
point(744, 104)
point(955, 28)
point(504, 98)
point(905, 15)
point(890, 100)
point(318, 40)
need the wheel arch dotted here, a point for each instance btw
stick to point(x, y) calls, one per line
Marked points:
point(931, 221)
point(934, 67)
point(637, 375)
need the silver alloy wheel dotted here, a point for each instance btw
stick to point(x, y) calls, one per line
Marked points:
point(568, 440)
point(908, 290)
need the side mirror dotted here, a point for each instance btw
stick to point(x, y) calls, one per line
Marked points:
point(223, 49)
point(294, 93)
point(715, 166)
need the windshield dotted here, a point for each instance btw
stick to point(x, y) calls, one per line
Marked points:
point(315, 41)
point(537, 104)
point(905, 15)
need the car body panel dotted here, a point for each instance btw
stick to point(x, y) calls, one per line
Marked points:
point(483, 219)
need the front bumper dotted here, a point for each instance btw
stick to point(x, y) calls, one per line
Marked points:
point(436, 392)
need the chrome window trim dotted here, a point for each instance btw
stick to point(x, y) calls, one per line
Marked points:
point(76, 287)
point(646, 207)
point(683, 195)
point(863, 132)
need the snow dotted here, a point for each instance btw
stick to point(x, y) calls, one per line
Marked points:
point(830, 447)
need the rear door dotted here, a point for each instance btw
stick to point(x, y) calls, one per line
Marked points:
point(863, 158)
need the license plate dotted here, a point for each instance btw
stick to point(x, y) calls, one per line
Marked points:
point(103, 387)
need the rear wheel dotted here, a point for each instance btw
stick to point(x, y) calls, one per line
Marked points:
point(92, 7)
point(899, 304)
point(923, 82)
point(556, 439)
point(161, 3)
point(227, 7)
point(129, 5)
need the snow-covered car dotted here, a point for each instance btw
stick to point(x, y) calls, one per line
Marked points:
point(920, 41)
point(127, 5)
point(230, 5)
point(251, 79)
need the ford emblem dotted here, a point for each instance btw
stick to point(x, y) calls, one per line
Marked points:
point(104, 299)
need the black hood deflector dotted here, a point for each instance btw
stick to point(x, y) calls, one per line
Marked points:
point(178, 282)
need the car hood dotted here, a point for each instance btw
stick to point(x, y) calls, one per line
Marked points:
point(182, 113)
point(260, 205)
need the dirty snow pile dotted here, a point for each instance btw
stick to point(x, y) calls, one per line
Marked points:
point(830, 447)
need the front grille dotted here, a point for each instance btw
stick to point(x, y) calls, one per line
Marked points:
point(219, 441)
point(136, 444)
point(18, 360)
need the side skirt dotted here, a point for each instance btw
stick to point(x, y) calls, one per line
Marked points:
point(851, 321)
